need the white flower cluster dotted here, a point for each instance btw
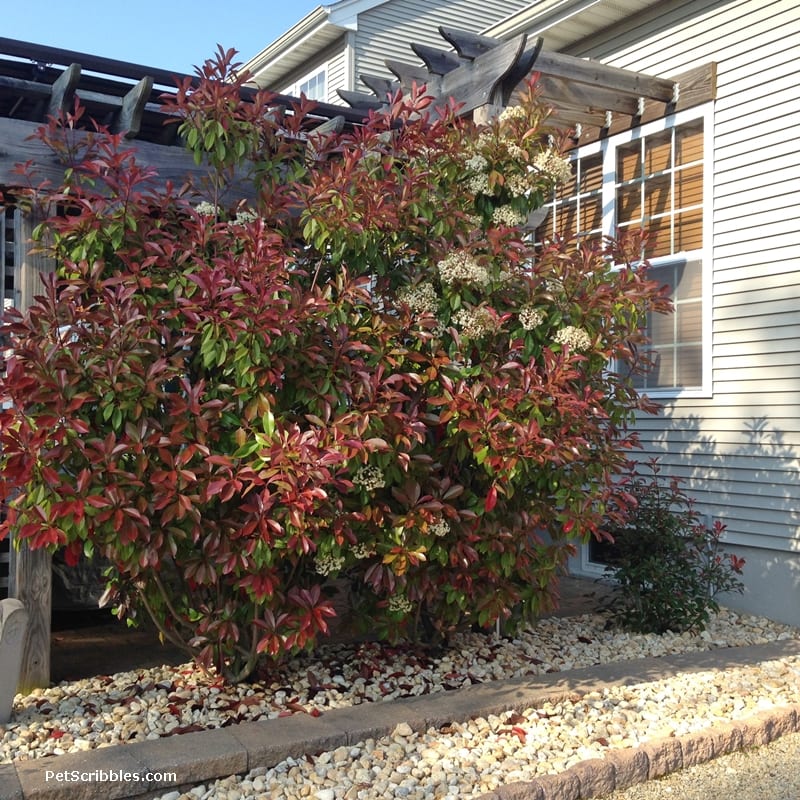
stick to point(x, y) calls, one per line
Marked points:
point(206, 209)
point(576, 338)
point(421, 299)
point(515, 152)
point(328, 564)
point(439, 528)
point(530, 317)
point(361, 550)
point(398, 602)
point(510, 113)
point(518, 185)
point(474, 323)
point(369, 477)
point(553, 285)
point(474, 220)
point(553, 166)
point(477, 163)
point(245, 217)
point(464, 268)
point(479, 184)
point(506, 215)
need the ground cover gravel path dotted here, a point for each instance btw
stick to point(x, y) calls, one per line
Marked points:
point(467, 760)
point(150, 703)
point(461, 761)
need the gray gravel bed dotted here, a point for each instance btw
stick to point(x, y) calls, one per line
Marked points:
point(151, 703)
point(460, 762)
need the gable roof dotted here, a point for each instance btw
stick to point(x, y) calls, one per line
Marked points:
point(563, 23)
point(305, 39)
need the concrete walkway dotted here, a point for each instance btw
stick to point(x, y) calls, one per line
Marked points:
point(137, 770)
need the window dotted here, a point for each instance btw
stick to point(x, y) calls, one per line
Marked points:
point(10, 242)
point(313, 86)
point(654, 177)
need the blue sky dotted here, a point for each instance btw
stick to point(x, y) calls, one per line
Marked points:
point(171, 34)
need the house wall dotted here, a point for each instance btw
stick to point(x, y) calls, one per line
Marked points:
point(337, 77)
point(739, 448)
point(387, 30)
point(334, 59)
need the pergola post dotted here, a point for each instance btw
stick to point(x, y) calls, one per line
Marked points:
point(33, 568)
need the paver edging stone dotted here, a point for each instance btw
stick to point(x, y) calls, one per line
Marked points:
point(253, 744)
point(654, 759)
point(10, 787)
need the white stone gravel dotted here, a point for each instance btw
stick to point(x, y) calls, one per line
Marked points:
point(464, 760)
point(151, 703)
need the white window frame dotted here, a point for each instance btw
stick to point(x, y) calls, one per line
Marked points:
point(295, 88)
point(608, 148)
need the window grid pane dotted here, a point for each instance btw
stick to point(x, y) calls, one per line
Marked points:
point(676, 339)
point(657, 186)
point(578, 207)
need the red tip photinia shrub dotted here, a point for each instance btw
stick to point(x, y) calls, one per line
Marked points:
point(359, 370)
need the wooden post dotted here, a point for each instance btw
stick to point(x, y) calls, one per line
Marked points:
point(33, 568)
point(34, 591)
point(483, 115)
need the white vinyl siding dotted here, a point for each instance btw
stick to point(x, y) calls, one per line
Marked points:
point(739, 449)
point(337, 76)
point(387, 30)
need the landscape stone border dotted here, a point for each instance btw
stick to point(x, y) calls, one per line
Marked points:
point(205, 756)
point(13, 625)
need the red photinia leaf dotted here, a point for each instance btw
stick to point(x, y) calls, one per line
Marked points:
point(491, 499)
point(73, 552)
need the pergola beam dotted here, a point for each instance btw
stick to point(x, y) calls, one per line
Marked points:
point(601, 76)
point(560, 90)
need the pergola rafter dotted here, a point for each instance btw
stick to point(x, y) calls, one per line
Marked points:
point(125, 97)
point(590, 97)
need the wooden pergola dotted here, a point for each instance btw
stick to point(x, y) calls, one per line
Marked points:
point(481, 73)
point(587, 97)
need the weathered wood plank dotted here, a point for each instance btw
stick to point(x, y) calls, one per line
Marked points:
point(172, 163)
point(33, 568)
point(438, 62)
point(591, 99)
point(129, 119)
point(409, 74)
point(521, 71)
point(381, 86)
point(360, 100)
point(481, 81)
point(567, 117)
point(595, 74)
point(34, 591)
point(107, 66)
point(695, 87)
point(468, 45)
point(63, 90)
point(25, 87)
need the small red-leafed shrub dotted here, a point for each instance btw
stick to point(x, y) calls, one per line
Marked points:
point(357, 369)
